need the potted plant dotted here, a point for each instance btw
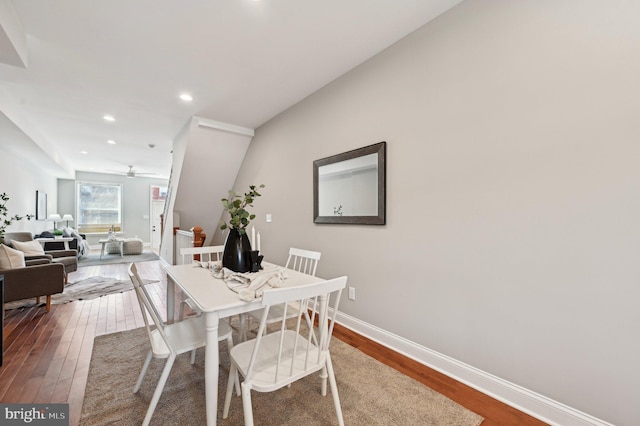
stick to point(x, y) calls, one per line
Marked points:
point(237, 248)
point(5, 219)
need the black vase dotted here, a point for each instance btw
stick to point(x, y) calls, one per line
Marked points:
point(237, 252)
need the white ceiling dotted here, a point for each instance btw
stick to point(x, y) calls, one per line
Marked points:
point(243, 61)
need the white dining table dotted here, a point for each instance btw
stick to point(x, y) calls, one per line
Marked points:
point(213, 297)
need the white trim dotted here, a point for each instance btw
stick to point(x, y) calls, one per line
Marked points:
point(164, 263)
point(232, 128)
point(527, 401)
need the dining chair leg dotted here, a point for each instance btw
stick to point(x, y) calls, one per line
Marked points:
point(181, 311)
point(246, 404)
point(145, 366)
point(159, 388)
point(334, 391)
point(237, 380)
point(233, 380)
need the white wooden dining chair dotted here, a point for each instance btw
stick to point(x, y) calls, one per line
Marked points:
point(169, 340)
point(305, 261)
point(207, 254)
point(270, 362)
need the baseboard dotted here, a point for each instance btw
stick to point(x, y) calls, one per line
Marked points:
point(532, 403)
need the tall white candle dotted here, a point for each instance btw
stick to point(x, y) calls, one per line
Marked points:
point(253, 238)
point(258, 241)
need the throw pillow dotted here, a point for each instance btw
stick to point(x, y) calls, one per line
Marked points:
point(29, 248)
point(10, 258)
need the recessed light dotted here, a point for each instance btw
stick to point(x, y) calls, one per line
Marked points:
point(83, 152)
point(186, 97)
point(111, 142)
point(109, 118)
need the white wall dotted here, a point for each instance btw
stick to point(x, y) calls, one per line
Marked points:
point(513, 200)
point(20, 179)
point(211, 161)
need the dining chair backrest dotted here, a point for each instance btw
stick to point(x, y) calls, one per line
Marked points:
point(206, 253)
point(305, 261)
point(149, 310)
point(272, 361)
point(297, 353)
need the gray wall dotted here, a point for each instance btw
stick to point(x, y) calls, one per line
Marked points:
point(136, 203)
point(512, 233)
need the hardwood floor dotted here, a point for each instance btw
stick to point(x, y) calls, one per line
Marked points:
point(46, 357)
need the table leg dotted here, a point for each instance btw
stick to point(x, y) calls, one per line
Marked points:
point(102, 251)
point(121, 248)
point(211, 368)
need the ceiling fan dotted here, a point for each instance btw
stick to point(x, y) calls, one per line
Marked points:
point(131, 173)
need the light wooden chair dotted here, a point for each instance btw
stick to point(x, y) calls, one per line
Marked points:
point(305, 261)
point(270, 362)
point(169, 340)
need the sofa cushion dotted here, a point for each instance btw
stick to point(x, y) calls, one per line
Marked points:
point(10, 258)
point(29, 248)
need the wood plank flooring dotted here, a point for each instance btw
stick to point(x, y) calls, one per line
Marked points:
point(46, 356)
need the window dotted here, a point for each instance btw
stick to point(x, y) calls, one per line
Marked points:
point(99, 207)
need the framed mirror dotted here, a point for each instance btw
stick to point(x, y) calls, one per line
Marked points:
point(349, 188)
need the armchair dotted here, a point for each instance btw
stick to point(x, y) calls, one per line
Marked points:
point(39, 278)
point(67, 258)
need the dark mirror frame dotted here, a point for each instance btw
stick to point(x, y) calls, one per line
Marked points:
point(381, 150)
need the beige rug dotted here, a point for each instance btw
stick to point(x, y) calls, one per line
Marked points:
point(370, 392)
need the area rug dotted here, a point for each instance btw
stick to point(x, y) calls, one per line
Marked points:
point(371, 393)
point(93, 258)
point(86, 289)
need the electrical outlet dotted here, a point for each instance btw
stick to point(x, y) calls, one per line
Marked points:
point(352, 293)
point(268, 218)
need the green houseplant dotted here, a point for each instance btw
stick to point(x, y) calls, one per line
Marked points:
point(237, 248)
point(236, 206)
point(5, 219)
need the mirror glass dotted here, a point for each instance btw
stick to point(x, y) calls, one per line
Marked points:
point(350, 187)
